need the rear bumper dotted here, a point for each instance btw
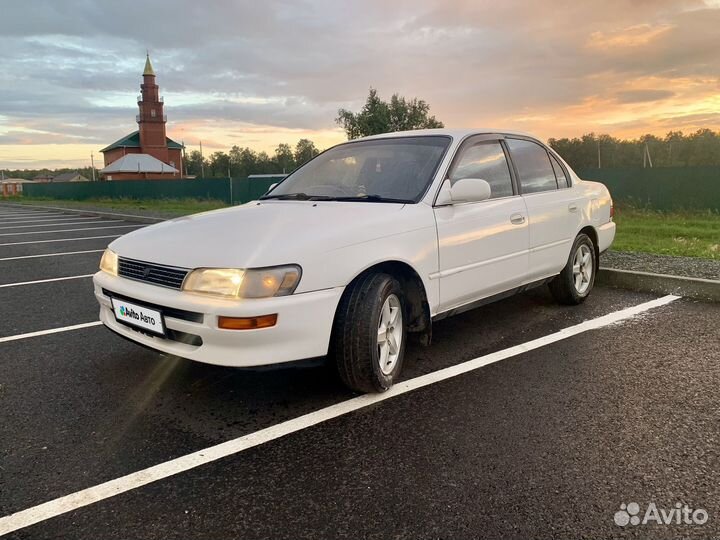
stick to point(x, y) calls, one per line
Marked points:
point(606, 235)
point(302, 330)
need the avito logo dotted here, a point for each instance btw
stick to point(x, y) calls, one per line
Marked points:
point(132, 314)
point(681, 514)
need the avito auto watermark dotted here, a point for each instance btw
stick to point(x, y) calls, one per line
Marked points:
point(679, 514)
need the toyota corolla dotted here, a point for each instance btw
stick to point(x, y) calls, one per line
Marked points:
point(371, 241)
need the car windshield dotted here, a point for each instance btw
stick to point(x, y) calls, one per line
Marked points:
point(397, 169)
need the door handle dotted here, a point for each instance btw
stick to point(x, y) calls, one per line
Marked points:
point(517, 219)
point(572, 207)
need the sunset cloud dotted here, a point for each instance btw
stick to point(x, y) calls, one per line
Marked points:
point(261, 73)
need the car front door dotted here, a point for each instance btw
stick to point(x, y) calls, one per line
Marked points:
point(549, 208)
point(483, 246)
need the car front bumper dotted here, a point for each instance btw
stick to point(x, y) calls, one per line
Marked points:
point(304, 323)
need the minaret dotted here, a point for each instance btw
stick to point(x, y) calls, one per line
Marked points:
point(151, 120)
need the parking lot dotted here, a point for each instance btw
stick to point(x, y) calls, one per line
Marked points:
point(523, 419)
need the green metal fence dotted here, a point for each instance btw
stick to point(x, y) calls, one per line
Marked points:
point(662, 188)
point(667, 188)
point(235, 191)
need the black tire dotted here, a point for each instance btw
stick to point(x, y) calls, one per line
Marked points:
point(354, 345)
point(563, 286)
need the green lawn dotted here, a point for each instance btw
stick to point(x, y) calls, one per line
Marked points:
point(690, 234)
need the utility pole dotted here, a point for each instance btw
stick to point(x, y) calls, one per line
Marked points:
point(92, 165)
point(230, 180)
point(598, 148)
point(647, 160)
point(202, 163)
point(182, 159)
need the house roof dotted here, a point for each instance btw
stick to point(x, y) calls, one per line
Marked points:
point(138, 163)
point(133, 141)
point(66, 177)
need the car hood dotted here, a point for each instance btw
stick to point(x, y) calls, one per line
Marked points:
point(265, 233)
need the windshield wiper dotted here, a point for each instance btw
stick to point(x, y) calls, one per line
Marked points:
point(372, 198)
point(297, 197)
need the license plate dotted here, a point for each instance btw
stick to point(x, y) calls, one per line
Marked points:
point(139, 316)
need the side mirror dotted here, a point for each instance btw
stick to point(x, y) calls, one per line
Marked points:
point(272, 186)
point(464, 190)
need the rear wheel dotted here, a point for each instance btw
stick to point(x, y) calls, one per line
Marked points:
point(369, 333)
point(575, 281)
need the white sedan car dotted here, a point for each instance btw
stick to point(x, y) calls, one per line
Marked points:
point(372, 240)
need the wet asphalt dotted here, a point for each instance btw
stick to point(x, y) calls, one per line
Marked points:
point(546, 444)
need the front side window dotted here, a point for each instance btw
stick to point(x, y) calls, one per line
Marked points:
point(562, 179)
point(486, 161)
point(398, 169)
point(533, 166)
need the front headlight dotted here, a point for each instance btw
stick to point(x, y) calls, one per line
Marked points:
point(238, 283)
point(109, 262)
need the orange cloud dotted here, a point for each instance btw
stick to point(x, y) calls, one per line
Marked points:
point(632, 36)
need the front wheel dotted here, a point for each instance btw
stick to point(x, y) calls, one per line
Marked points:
point(574, 283)
point(369, 333)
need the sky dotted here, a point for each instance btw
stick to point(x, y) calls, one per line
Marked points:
point(257, 74)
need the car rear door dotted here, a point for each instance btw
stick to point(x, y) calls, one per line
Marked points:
point(549, 208)
point(482, 245)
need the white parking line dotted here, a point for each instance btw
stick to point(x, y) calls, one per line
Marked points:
point(19, 283)
point(85, 497)
point(45, 333)
point(59, 240)
point(63, 219)
point(74, 230)
point(52, 254)
point(16, 214)
point(60, 224)
point(10, 219)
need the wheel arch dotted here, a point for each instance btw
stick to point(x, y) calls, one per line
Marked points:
point(590, 231)
point(419, 319)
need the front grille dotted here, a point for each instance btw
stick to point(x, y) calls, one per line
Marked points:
point(157, 274)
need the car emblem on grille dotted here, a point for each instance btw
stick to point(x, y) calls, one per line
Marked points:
point(146, 271)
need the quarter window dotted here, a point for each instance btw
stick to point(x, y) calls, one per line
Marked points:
point(486, 161)
point(533, 166)
point(562, 179)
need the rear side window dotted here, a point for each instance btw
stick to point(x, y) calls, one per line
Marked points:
point(533, 165)
point(487, 161)
point(562, 179)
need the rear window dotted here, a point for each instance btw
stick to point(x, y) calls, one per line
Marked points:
point(533, 166)
point(562, 179)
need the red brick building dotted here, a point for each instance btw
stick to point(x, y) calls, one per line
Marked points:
point(146, 153)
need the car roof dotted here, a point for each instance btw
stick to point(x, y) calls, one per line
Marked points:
point(457, 134)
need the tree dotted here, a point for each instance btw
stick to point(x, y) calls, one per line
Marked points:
point(304, 151)
point(219, 164)
point(264, 164)
point(243, 161)
point(675, 149)
point(378, 116)
point(194, 164)
point(284, 158)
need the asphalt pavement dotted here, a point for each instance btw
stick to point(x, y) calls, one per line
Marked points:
point(546, 443)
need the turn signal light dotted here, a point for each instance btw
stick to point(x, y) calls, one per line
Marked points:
point(247, 323)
